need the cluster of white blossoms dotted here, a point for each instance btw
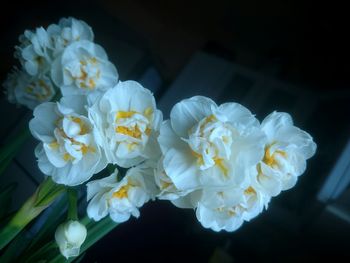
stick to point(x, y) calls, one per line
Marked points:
point(61, 58)
point(219, 160)
point(80, 137)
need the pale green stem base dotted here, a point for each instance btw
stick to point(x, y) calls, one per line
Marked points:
point(46, 193)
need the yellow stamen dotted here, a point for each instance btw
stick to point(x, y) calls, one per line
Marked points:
point(135, 132)
point(250, 190)
point(208, 119)
point(123, 191)
point(85, 149)
point(92, 84)
point(46, 92)
point(148, 112)
point(270, 159)
point(125, 114)
point(54, 145)
point(84, 129)
point(231, 213)
point(93, 60)
point(67, 157)
point(83, 62)
point(165, 185)
point(83, 74)
point(220, 164)
point(199, 157)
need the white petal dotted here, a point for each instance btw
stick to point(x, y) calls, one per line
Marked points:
point(119, 217)
point(237, 114)
point(301, 139)
point(43, 162)
point(270, 180)
point(185, 114)
point(168, 139)
point(182, 169)
point(93, 187)
point(98, 208)
point(43, 123)
point(274, 121)
point(76, 104)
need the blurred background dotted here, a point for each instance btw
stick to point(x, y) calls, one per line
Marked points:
point(268, 55)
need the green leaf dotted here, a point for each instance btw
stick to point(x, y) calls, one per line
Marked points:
point(15, 248)
point(80, 258)
point(5, 163)
point(55, 217)
point(46, 193)
point(11, 148)
point(43, 253)
point(5, 198)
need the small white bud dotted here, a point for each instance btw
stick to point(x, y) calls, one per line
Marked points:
point(69, 237)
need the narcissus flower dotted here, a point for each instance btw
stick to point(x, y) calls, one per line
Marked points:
point(128, 123)
point(206, 145)
point(69, 237)
point(227, 208)
point(68, 151)
point(24, 89)
point(67, 31)
point(286, 152)
point(35, 51)
point(84, 69)
point(119, 199)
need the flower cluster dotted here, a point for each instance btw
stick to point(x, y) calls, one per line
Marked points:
point(62, 57)
point(220, 161)
point(217, 159)
point(99, 120)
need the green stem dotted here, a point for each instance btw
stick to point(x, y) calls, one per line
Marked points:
point(72, 204)
point(46, 193)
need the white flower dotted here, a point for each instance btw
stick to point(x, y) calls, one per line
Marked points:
point(21, 88)
point(35, 51)
point(206, 145)
point(84, 69)
point(67, 31)
point(286, 152)
point(228, 208)
point(128, 124)
point(68, 151)
point(119, 199)
point(69, 237)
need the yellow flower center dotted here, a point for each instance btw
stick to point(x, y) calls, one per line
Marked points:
point(88, 81)
point(84, 129)
point(40, 90)
point(203, 133)
point(250, 191)
point(123, 191)
point(132, 131)
point(270, 159)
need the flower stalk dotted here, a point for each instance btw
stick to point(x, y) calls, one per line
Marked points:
point(46, 193)
point(72, 204)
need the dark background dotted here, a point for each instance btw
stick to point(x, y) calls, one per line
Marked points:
point(303, 43)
